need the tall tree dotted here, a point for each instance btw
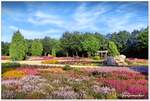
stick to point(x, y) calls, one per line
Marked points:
point(47, 45)
point(120, 39)
point(29, 44)
point(90, 44)
point(143, 39)
point(36, 48)
point(65, 42)
point(5, 48)
point(112, 49)
point(17, 47)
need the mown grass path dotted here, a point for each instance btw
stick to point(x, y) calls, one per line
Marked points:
point(143, 69)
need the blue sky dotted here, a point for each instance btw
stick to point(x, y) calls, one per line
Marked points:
point(40, 19)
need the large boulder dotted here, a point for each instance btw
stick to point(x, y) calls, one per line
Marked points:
point(117, 60)
point(110, 61)
point(120, 60)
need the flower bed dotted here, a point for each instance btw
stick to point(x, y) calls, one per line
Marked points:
point(72, 62)
point(5, 57)
point(136, 61)
point(81, 83)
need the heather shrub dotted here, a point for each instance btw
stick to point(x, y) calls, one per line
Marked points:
point(50, 62)
point(10, 65)
point(96, 57)
point(67, 67)
point(13, 74)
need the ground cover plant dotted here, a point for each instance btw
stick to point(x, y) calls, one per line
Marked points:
point(74, 83)
point(87, 50)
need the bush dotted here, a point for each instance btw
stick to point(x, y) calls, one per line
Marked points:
point(96, 58)
point(13, 74)
point(10, 65)
point(50, 62)
point(67, 67)
point(77, 69)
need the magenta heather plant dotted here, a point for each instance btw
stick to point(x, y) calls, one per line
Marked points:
point(64, 93)
point(138, 89)
point(29, 71)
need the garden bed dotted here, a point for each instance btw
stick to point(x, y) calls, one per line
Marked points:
point(74, 83)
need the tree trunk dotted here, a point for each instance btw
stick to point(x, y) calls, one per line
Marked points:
point(76, 53)
point(45, 54)
point(82, 55)
point(89, 54)
point(67, 54)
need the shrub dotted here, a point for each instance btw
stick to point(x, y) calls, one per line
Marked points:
point(50, 62)
point(52, 70)
point(13, 74)
point(77, 69)
point(10, 65)
point(96, 58)
point(67, 67)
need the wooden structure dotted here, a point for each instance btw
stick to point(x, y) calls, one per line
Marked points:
point(102, 53)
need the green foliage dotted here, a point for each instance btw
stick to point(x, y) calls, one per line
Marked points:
point(96, 57)
point(5, 48)
point(17, 47)
point(90, 44)
point(67, 67)
point(9, 66)
point(47, 45)
point(120, 39)
point(137, 44)
point(112, 49)
point(53, 52)
point(28, 44)
point(50, 46)
point(36, 48)
point(71, 42)
point(80, 44)
point(143, 39)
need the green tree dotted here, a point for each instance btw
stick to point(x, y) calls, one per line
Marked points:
point(47, 45)
point(29, 44)
point(36, 48)
point(65, 42)
point(5, 48)
point(17, 47)
point(75, 43)
point(112, 49)
point(120, 39)
point(55, 46)
point(143, 39)
point(90, 44)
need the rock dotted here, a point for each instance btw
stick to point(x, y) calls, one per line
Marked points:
point(120, 60)
point(117, 60)
point(110, 61)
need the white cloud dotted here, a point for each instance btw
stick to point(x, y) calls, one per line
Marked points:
point(82, 19)
point(88, 18)
point(30, 34)
point(40, 18)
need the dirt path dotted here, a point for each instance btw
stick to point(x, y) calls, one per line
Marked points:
point(143, 69)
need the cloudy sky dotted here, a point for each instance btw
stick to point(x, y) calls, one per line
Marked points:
point(40, 19)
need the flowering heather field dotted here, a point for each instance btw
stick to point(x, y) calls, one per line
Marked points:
point(74, 83)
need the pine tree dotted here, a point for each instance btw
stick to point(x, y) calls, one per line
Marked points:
point(112, 49)
point(17, 49)
point(36, 48)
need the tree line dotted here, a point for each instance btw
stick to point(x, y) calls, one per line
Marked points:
point(134, 44)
